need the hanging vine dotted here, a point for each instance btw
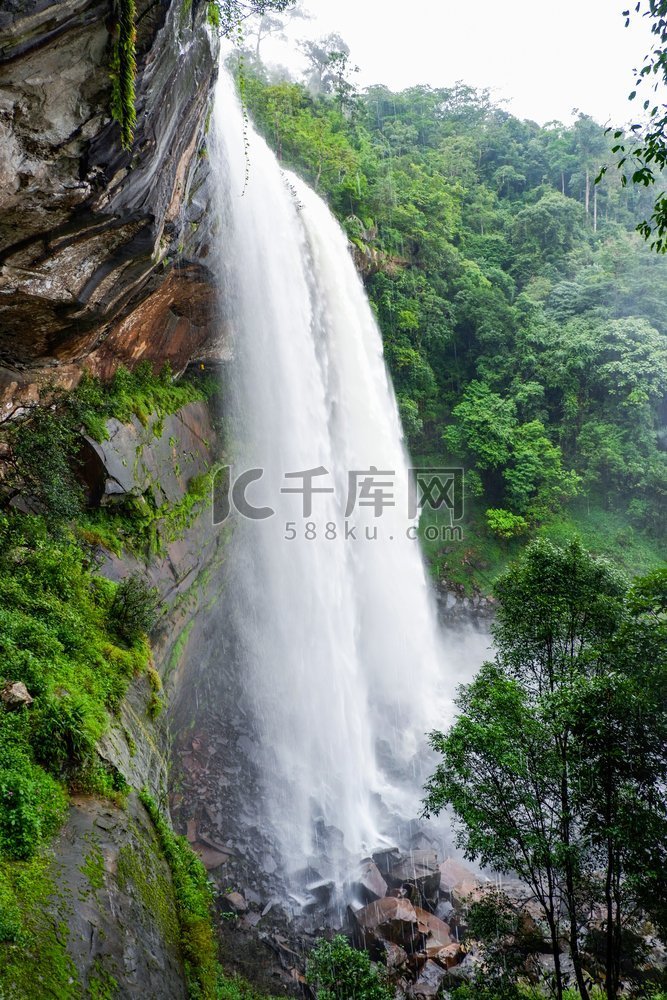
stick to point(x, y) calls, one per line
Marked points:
point(123, 70)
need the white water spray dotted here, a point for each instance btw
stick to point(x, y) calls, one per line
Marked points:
point(338, 639)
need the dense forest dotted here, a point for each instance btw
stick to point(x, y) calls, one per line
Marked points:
point(522, 315)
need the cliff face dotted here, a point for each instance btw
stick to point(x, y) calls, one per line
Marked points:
point(104, 261)
point(99, 907)
point(102, 252)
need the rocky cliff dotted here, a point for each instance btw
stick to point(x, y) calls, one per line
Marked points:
point(104, 262)
point(102, 251)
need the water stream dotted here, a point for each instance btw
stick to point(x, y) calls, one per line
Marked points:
point(338, 643)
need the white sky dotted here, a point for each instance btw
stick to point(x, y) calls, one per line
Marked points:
point(545, 58)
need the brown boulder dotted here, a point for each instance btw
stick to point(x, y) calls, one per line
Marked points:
point(436, 932)
point(389, 919)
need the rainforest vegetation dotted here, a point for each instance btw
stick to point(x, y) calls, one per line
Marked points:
point(522, 315)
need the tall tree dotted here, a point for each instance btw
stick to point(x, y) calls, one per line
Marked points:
point(644, 151)
point(559, 746)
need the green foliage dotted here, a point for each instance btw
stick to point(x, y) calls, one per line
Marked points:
point(134, 608)
point(228, 16)
point(505, 524)
point(554, 765)
point(339, 972)
point(123, 70)
point(643, 148)
point(523, 320)
point(194, 901)
point(32, 802)
point(139, 393)
point(44, 448)
point(57, 637)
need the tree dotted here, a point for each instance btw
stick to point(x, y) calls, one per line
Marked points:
point(340, 972)
point(558, 750)
point(645, 150)
point(268, 23)
point(229, 16)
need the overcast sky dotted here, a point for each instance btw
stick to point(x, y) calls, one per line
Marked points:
point(545, 58)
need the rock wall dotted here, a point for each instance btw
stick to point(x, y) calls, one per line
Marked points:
point(107, 925)
point(102, 251)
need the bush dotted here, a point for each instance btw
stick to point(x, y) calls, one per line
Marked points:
point(32, 804)
point(505, 524)
point(44, 448)
point(62, 739)
point(134, 608)
point(340, 972)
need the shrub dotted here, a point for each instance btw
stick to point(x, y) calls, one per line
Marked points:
point(134, 608)
point(32, 804)
point(505, 524)
point(44, 447)
point(340, 972)
point(62, 737)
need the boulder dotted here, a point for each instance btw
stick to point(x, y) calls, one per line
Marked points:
point(385, 858)
point(236, 902)
point(429, 981)
point(450, 956)
point(370, 884)
point(436, 933)
point(395, 956)
point(321, 891)
point(389, 920)
point(452, 872)
point(419, 875)
point(15, 695)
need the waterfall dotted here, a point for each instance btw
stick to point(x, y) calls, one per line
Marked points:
point(337, 637)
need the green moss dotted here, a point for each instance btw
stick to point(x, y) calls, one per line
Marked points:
point(194, 901)
point(138, 525)
point(139, 393)
point(101, 984)
point(36, 964)
point(93, 868)
point(178, 648)
point(140, 873)
point(123, 70)
point(155, 702)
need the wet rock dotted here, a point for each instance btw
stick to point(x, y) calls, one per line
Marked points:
point(451, 955)
point(444, 910)
point(389, 919)
point(429, 981)
point(236, 902)
point(385, 858)
point(15, 695)
point(210, 858)
point(396, 957)
point(435, 931)
point(453, 872)
point(84, 225)
point(419, 875)
point(370, 885)
point(268, 864)
point(322, 891)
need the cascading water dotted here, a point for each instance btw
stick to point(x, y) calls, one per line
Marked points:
point(337, 637)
